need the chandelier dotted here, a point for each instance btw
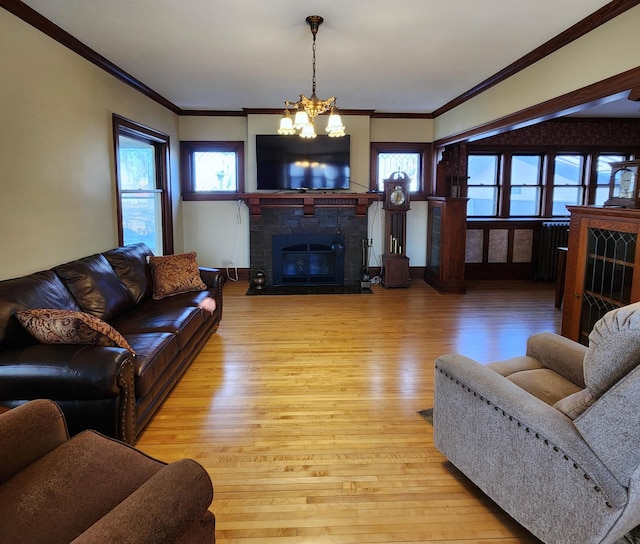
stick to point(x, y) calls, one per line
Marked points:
point(307, 109)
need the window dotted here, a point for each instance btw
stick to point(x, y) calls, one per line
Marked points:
point(387, 158)
point(525, 186)
point(536, 182)
point(568, 184)
point(143, 203)
point(211, 170)
point(482, 185)
point(603, 176)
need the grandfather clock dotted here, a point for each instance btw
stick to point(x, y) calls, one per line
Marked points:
point(396, 204)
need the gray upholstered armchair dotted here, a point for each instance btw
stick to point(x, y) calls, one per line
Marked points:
point(91, 488)
point(553, 437)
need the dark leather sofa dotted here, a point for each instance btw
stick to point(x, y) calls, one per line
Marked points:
point(98, 387)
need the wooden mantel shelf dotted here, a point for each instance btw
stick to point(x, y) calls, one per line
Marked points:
point(309, 201)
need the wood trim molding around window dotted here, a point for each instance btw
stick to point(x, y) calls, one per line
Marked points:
point(426, 152)
point(187, 148)
point(124, 126)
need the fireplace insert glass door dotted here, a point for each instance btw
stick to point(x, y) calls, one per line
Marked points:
point(306, 259)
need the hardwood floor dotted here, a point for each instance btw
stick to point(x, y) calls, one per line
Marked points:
point(303, 411)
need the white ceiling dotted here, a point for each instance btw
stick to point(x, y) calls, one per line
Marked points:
point(400, 56)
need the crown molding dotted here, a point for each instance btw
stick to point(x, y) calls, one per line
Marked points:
point(212, 113)
point(400, 115)
point(604, 14)
point(601, 16)
point(32, 17)
point(278, 111)
point(592, 95)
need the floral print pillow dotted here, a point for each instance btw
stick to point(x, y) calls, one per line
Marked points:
point(70, 327)
point(175, 274)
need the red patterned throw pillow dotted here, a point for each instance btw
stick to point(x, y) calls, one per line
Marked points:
point(70, 327)
point(175, 274)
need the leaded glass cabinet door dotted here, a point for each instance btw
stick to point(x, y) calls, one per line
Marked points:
point(609, 274)
point(435, 238)
point(602, 271)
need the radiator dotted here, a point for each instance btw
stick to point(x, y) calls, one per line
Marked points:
point(553, 234)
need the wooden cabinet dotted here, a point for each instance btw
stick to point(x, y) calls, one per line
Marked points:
point(603, 266)
point(446, 242)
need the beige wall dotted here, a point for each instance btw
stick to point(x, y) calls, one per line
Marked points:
point(219, 231)
point(402, 130)
point(610, 49)
point(57, 192)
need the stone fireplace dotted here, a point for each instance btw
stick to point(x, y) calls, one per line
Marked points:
point(305, 242)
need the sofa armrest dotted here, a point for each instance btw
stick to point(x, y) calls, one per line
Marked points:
point(159, 511)
point(75, 376)
point(213, 277)
point(58, 371)
point(27, 433)
point(559, 354)
point(215, 280)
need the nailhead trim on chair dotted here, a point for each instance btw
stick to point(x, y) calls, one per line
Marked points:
point(556, 449)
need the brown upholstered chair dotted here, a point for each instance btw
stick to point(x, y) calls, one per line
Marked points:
point(91, 488)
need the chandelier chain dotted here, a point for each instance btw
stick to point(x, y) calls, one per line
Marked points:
point(307, 109)
point(313, 79)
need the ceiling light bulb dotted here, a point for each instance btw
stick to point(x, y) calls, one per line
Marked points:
point(335, 128)
point(286, 126)
point(308, 131)
point(301, 119)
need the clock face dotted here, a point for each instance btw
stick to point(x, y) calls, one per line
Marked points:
point(624, 187)
point(397, 196)
point(624, 179)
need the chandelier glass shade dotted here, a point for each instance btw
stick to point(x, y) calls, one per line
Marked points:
point(307, 109)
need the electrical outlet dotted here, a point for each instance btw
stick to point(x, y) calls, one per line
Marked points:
point(227, 262)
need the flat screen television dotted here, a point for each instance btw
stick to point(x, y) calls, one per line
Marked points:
point(294, 163)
